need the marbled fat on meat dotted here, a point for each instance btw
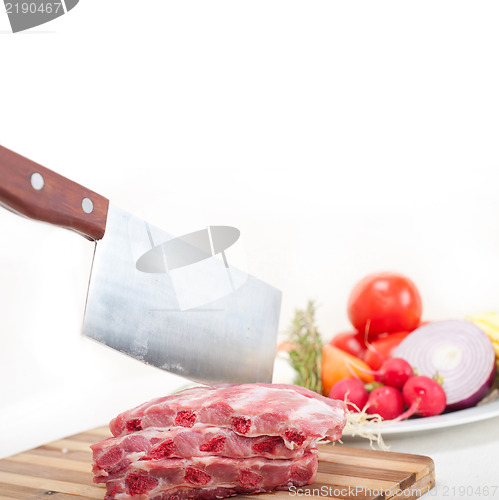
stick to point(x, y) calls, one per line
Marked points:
point(213, 442)
point(298, 415)
point(203, 475)
point(116, 453)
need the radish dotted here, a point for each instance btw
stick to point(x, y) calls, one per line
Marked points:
point(395, 372)
point(353, 391)
point(424, 397)
point(386, 401)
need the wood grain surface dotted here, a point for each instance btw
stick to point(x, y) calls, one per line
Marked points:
point(61, 471)
point(58, 202)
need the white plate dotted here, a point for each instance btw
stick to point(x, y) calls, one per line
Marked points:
point(474, 414)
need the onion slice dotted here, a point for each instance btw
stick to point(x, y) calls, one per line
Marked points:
point(459, 352)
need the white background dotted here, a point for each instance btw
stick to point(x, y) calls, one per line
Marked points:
point(341, 138)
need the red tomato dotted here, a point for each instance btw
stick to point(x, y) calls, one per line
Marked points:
point(382, 348)
point(384, 302)
point(351, 342)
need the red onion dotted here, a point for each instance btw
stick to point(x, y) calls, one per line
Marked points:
point(459, 352)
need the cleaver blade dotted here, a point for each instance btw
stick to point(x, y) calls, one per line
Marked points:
point(200, 318)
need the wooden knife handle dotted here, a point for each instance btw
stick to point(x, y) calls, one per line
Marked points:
point(38, 193)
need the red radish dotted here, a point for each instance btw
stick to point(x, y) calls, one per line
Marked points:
point(386, 401)
point(395, 372)
point(354, 391)
point(424, 397)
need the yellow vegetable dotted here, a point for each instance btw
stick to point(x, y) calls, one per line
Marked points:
point(338, 364)
point(489, 323)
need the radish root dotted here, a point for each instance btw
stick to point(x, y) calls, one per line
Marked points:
point(357, 423)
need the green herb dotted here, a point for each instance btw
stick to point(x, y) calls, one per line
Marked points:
point(373, 385)
point(306, 356)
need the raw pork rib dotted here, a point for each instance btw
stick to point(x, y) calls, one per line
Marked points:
point(298, 415)
point(114, 454)
point(208, 443)
point(163, 479)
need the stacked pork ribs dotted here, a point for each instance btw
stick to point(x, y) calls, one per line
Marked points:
point(214, 442)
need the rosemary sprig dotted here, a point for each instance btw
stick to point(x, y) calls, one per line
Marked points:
point(306, 356)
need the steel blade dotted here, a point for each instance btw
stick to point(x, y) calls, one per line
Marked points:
point(207, 321)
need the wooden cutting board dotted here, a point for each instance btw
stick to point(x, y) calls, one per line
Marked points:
point(61, 470)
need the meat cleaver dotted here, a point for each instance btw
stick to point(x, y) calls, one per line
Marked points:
point(173, 302)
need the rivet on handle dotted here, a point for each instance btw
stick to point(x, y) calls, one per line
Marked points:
point(37, 181)
point(87, 205)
